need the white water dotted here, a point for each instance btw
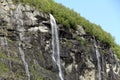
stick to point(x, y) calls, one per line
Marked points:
point(24, 62)
point(19, 21)
point(55, 45)
point(98, 60)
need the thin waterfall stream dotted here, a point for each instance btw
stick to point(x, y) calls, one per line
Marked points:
point(98, 60)
point(55, 45)
point(18, 17)
point(23, 57)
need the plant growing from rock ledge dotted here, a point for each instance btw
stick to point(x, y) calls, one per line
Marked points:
point(81, 40)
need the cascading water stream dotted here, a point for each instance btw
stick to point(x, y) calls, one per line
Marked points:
point(55, 45)
point(18, 17)
point(98, 60)
point(23, 57)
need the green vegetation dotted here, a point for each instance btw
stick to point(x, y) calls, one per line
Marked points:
point(35, 69)
point(3, 68)
point(70, 19)
point(82, 41)
point(116, 48)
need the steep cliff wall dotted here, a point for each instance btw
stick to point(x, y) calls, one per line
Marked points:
point(26, 43)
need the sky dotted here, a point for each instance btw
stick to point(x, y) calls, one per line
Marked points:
point(102, 12)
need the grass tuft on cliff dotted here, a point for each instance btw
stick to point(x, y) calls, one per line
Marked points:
point(70, 19)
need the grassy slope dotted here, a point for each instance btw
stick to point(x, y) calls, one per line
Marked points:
point(70, 19)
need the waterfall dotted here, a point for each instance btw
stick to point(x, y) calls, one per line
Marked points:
point(55, 45)
point(20, 28)
point(20, 47)
point(98, 60)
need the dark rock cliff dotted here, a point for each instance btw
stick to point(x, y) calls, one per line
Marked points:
point(77, 50)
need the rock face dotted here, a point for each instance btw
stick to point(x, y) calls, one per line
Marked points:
point(21, 26)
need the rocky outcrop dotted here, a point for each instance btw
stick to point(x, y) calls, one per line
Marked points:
point(77, 50)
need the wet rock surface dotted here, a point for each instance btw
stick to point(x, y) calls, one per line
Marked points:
point(77, 50)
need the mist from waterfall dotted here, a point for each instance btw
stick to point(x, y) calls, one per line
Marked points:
point(55, 45)
point(19, 21)
point(98, 60)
